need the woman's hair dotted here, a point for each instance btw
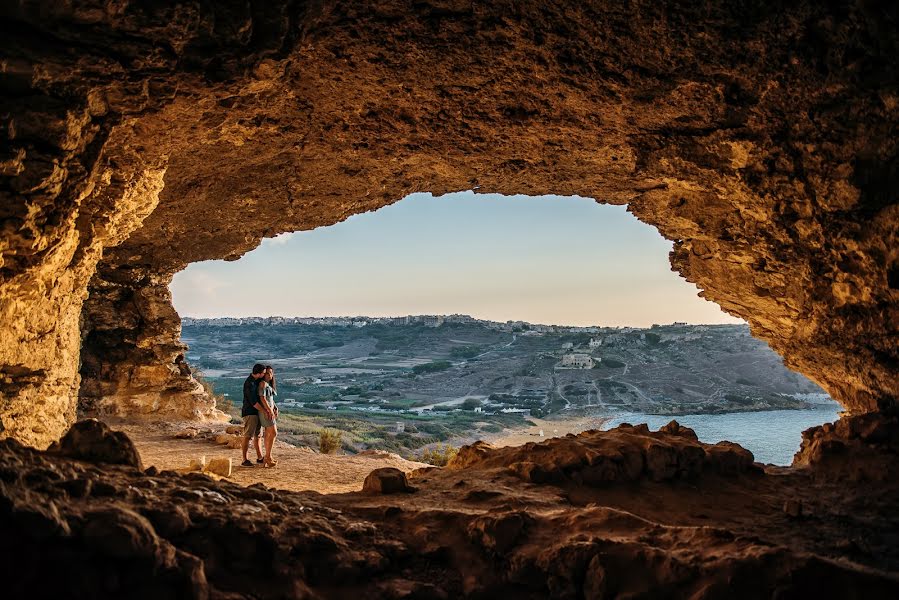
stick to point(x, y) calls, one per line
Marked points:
point(273, 384)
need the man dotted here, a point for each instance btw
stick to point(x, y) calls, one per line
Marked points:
point(250, 413)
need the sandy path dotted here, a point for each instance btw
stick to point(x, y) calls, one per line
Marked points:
point(298, 469)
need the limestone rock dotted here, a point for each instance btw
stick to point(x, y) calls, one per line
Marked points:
point(626, 453)
point(728, 458)
point(197, 464)
point(469, 455)
point(231, 441)
point(219, 466)
point(186, 434)
point(854, 448)
point(92, 440)
point(793, 508)
point(768, 157)
point(499, 534)
point(177, 534)
point(386, 480)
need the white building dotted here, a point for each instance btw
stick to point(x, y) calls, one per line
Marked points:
point(576, 361)
point(595, 342)
point(567, 346)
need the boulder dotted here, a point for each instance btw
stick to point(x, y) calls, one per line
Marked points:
point(197, 464)
point(675, 428)
point(93, 441)
point(386, 480)
point(469, 455)
point(121, 533)
point(219, 466)
point(728, 458)
point(498, 534)
point(232, 441)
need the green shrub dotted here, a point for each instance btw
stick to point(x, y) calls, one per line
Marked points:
point(432, 367)
point(465, 351)
point(439, 455)
point(329, 440)
point(470, 404)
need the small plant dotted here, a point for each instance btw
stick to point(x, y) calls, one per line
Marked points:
point(439, 455)
point(329, 440)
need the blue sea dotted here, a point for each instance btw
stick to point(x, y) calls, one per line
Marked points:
point(773, 436)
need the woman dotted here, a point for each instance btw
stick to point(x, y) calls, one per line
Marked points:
point(268, 390)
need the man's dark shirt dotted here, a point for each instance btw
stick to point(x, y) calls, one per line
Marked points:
point(250, 397)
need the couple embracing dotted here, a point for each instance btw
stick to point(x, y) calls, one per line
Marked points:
point(259, 413)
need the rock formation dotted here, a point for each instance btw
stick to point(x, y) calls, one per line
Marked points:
point(474, 532)
point(760, 138)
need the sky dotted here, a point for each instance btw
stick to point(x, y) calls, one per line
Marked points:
point(541, 259)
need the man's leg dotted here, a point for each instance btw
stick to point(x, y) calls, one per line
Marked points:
point(258, 447)
point(245, 445)
point(250, 430)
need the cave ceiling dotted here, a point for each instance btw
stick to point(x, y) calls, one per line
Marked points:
point(760, 138)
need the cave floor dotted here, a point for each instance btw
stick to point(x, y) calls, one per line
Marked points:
point(478, 529)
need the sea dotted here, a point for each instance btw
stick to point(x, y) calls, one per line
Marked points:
point(773, 436)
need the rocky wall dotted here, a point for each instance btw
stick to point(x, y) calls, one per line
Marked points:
point(761, 139)
point(132, 360)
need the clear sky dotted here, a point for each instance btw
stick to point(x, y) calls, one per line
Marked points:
point(547, 259)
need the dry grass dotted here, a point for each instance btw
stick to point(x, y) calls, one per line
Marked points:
point(439, 455)
point(329, 440)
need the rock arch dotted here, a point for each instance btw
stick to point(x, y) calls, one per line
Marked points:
point(762, 139)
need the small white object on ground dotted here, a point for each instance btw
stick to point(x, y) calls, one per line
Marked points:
point(219, 466)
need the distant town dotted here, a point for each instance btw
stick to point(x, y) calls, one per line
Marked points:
point(427, 321)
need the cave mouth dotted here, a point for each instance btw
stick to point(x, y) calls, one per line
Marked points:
point(538, 261)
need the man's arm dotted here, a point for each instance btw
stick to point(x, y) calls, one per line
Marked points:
point(261, 404)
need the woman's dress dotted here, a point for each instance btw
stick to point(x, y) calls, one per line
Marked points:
point(268, 394)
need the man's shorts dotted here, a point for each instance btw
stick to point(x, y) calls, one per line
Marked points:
point(251, 427)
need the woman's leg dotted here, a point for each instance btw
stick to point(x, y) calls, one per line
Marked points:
point(270, 433)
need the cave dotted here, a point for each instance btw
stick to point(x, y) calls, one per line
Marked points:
point(760, 138)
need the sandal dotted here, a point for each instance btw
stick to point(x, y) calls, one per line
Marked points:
point(269, 463)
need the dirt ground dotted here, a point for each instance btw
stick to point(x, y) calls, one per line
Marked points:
point(551, 428)
point(298, 469)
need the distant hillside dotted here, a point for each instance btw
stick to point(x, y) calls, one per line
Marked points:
point(444, 376)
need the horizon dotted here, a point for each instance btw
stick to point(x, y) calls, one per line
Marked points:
point(476, 319)
point(555, 260)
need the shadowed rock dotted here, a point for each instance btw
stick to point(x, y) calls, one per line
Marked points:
point(626, 453)
point(93, 441)
point(386, 480)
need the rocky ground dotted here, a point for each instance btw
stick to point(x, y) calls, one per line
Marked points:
point(627, 512)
